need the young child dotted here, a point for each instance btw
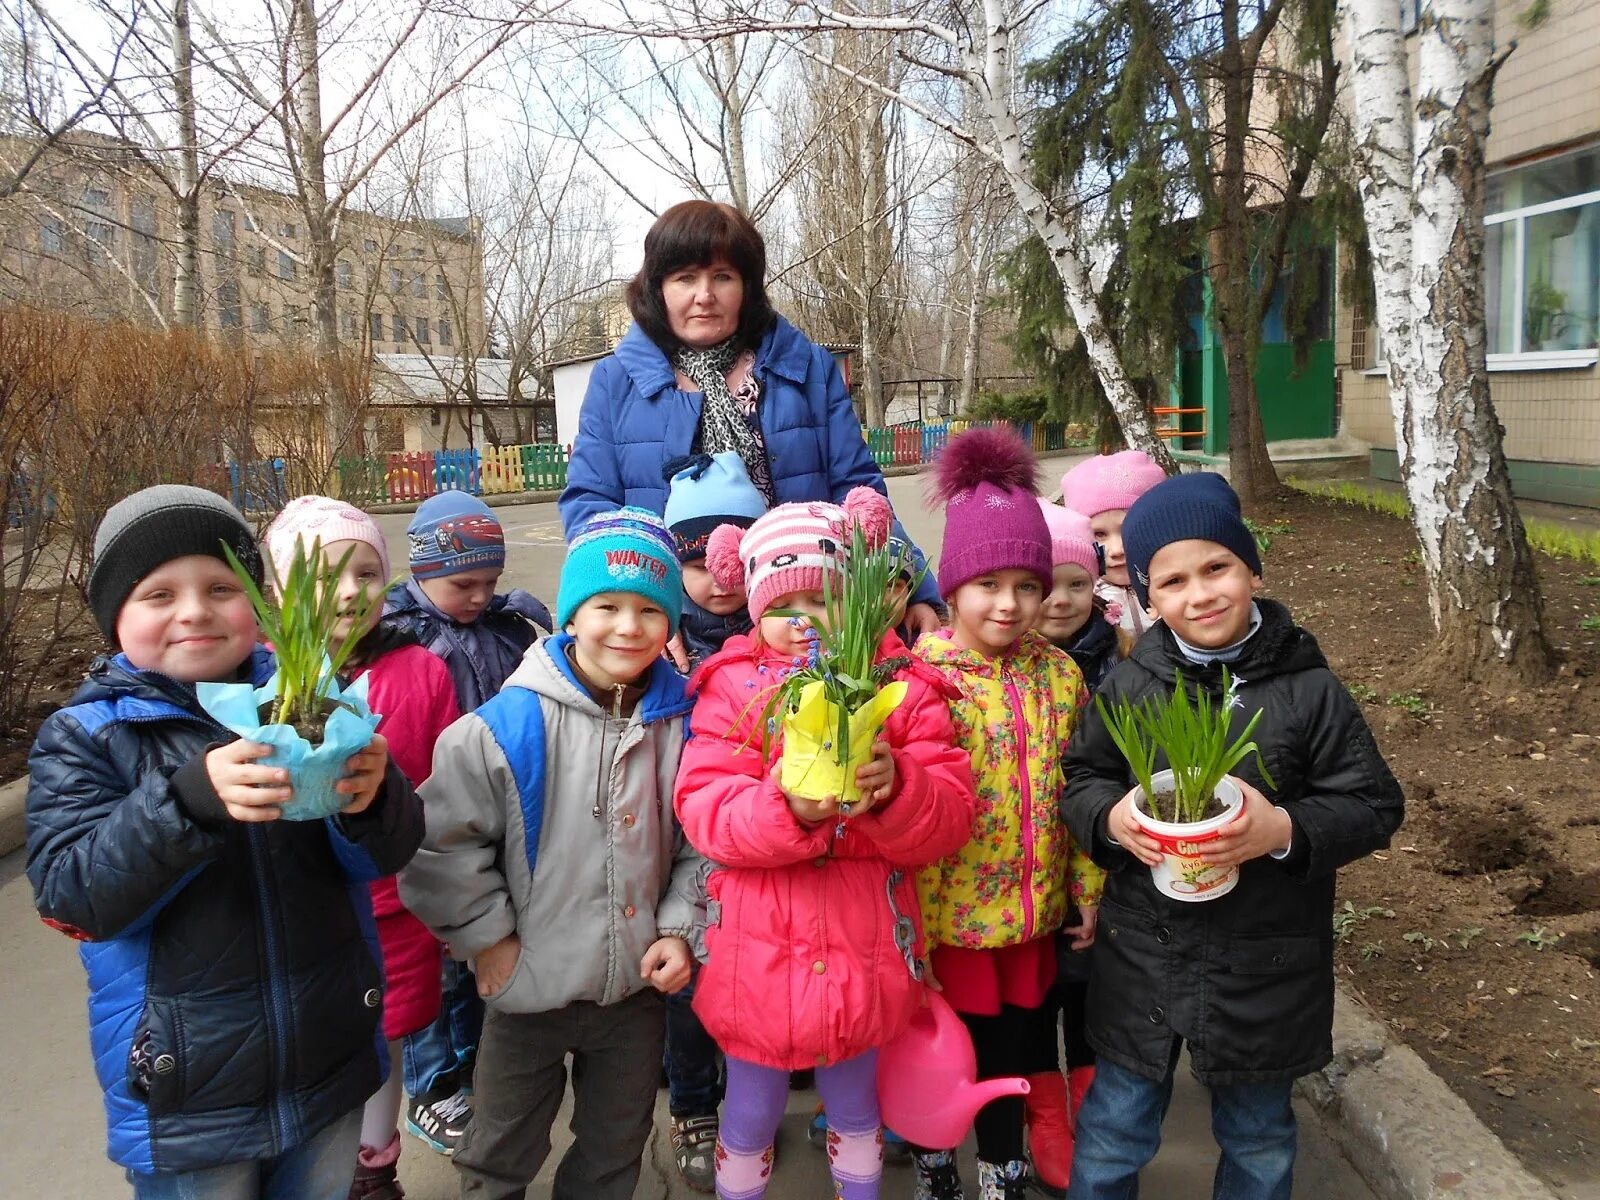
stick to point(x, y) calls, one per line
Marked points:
point(457, 554)
point(812, 937)
point(1102, 488)
point(412, 690)
point(234, 991)
point(1245, 980)
point(1073, 618)
point(992, 907)
point(707, 490)
point(553, 863)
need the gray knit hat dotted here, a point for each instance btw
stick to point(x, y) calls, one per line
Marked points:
point(155, 526)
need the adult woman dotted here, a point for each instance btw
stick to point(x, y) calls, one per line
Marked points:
point(708, 366)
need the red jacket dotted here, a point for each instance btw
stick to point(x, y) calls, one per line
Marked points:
point(803, 968)
point(411, 687)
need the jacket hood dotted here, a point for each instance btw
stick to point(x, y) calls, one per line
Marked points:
point(784, 350)
point(547, 672)
point(1279, 647)
point(113, 678)
point(940, 650)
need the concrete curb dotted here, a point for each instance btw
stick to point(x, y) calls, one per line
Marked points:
point(1401, 1126)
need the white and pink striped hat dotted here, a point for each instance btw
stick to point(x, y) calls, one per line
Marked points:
point(790, 548)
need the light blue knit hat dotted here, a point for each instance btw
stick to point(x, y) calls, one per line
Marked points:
point(704, 491)
point(625, 550)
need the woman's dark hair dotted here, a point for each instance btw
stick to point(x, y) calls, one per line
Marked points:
point(694, 234)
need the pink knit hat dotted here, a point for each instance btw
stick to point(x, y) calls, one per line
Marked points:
point(310, 519)
point(987, 481)
point(1109, 481)
point(1071, 540)
point(791, 546)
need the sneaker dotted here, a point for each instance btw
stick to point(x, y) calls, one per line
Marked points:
point(376, 1183)
point(439, 1119)
point(694, 1149)
point(937, 1178)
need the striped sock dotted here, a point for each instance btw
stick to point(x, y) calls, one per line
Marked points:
point(742, 1175)
point(856, 1162)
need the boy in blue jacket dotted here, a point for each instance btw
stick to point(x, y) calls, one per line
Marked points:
point(235, 984)
point(1245, 980)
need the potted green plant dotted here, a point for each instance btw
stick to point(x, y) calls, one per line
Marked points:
point(1189, 803)
point(832, 707)
point(312, 723)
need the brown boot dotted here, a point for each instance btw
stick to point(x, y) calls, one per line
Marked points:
point(1049, 1129)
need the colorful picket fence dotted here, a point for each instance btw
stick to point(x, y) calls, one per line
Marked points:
point(913, 444)
point(405, 476)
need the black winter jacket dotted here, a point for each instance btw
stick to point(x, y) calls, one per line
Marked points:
point(1246, 979)
point(235, 981)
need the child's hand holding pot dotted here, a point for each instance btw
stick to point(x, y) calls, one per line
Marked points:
point(248, 790)
point(874, 780)
point(1125, 831)
point(364, 775)
point(1260, 828)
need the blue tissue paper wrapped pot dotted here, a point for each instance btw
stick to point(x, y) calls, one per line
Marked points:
point(313, 770)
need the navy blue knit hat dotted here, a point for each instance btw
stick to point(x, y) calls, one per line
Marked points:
point(1199, 506)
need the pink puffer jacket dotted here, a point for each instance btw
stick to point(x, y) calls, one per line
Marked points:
point(804, 967)
point(412, 689)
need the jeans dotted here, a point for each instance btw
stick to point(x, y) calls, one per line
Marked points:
point(695, 1080)
point(318, 1169)
point(1119, 1131)
point(437, 1056)
point(521, 1079)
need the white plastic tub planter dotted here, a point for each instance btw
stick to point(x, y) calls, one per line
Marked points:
point(1181, 873)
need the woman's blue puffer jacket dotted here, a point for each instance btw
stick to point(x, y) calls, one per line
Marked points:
point(635, 421)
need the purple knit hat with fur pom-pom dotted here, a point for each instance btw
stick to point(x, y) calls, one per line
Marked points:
point(987, 479)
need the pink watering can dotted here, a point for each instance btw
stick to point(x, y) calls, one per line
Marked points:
point(926, 1088)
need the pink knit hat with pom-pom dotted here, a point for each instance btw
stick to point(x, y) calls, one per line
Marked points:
point(791, 547)
point(1109, 481)
point(987, 481)
point(1071, 538)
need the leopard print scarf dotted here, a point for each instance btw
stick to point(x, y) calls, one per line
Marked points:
point(728, 420)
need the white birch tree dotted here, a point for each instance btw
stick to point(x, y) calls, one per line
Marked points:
point(1421, 152)
point(972, 44)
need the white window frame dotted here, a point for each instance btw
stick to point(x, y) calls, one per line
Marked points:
point(1520, 359)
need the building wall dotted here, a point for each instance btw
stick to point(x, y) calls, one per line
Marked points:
point(1547, 101)
point(96, 233)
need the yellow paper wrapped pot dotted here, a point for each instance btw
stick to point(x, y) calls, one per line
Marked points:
point(813, 766)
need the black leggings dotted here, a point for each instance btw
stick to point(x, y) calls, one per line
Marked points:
point(1070, 998)
point(1020, 1041)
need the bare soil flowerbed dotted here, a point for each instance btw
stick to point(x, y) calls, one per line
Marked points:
point(1477, 936)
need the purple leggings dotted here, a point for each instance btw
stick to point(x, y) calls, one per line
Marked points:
point(755, 1102)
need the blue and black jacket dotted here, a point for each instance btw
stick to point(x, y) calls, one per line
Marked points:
point(235, 981)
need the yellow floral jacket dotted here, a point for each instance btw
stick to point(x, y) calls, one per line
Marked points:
point(1010, 883)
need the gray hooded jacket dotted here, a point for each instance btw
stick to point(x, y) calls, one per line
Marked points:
point(552, 819)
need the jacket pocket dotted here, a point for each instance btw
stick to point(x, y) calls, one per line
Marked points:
point(158, 1059)
point(336, 1008)
point(1270, 1002)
